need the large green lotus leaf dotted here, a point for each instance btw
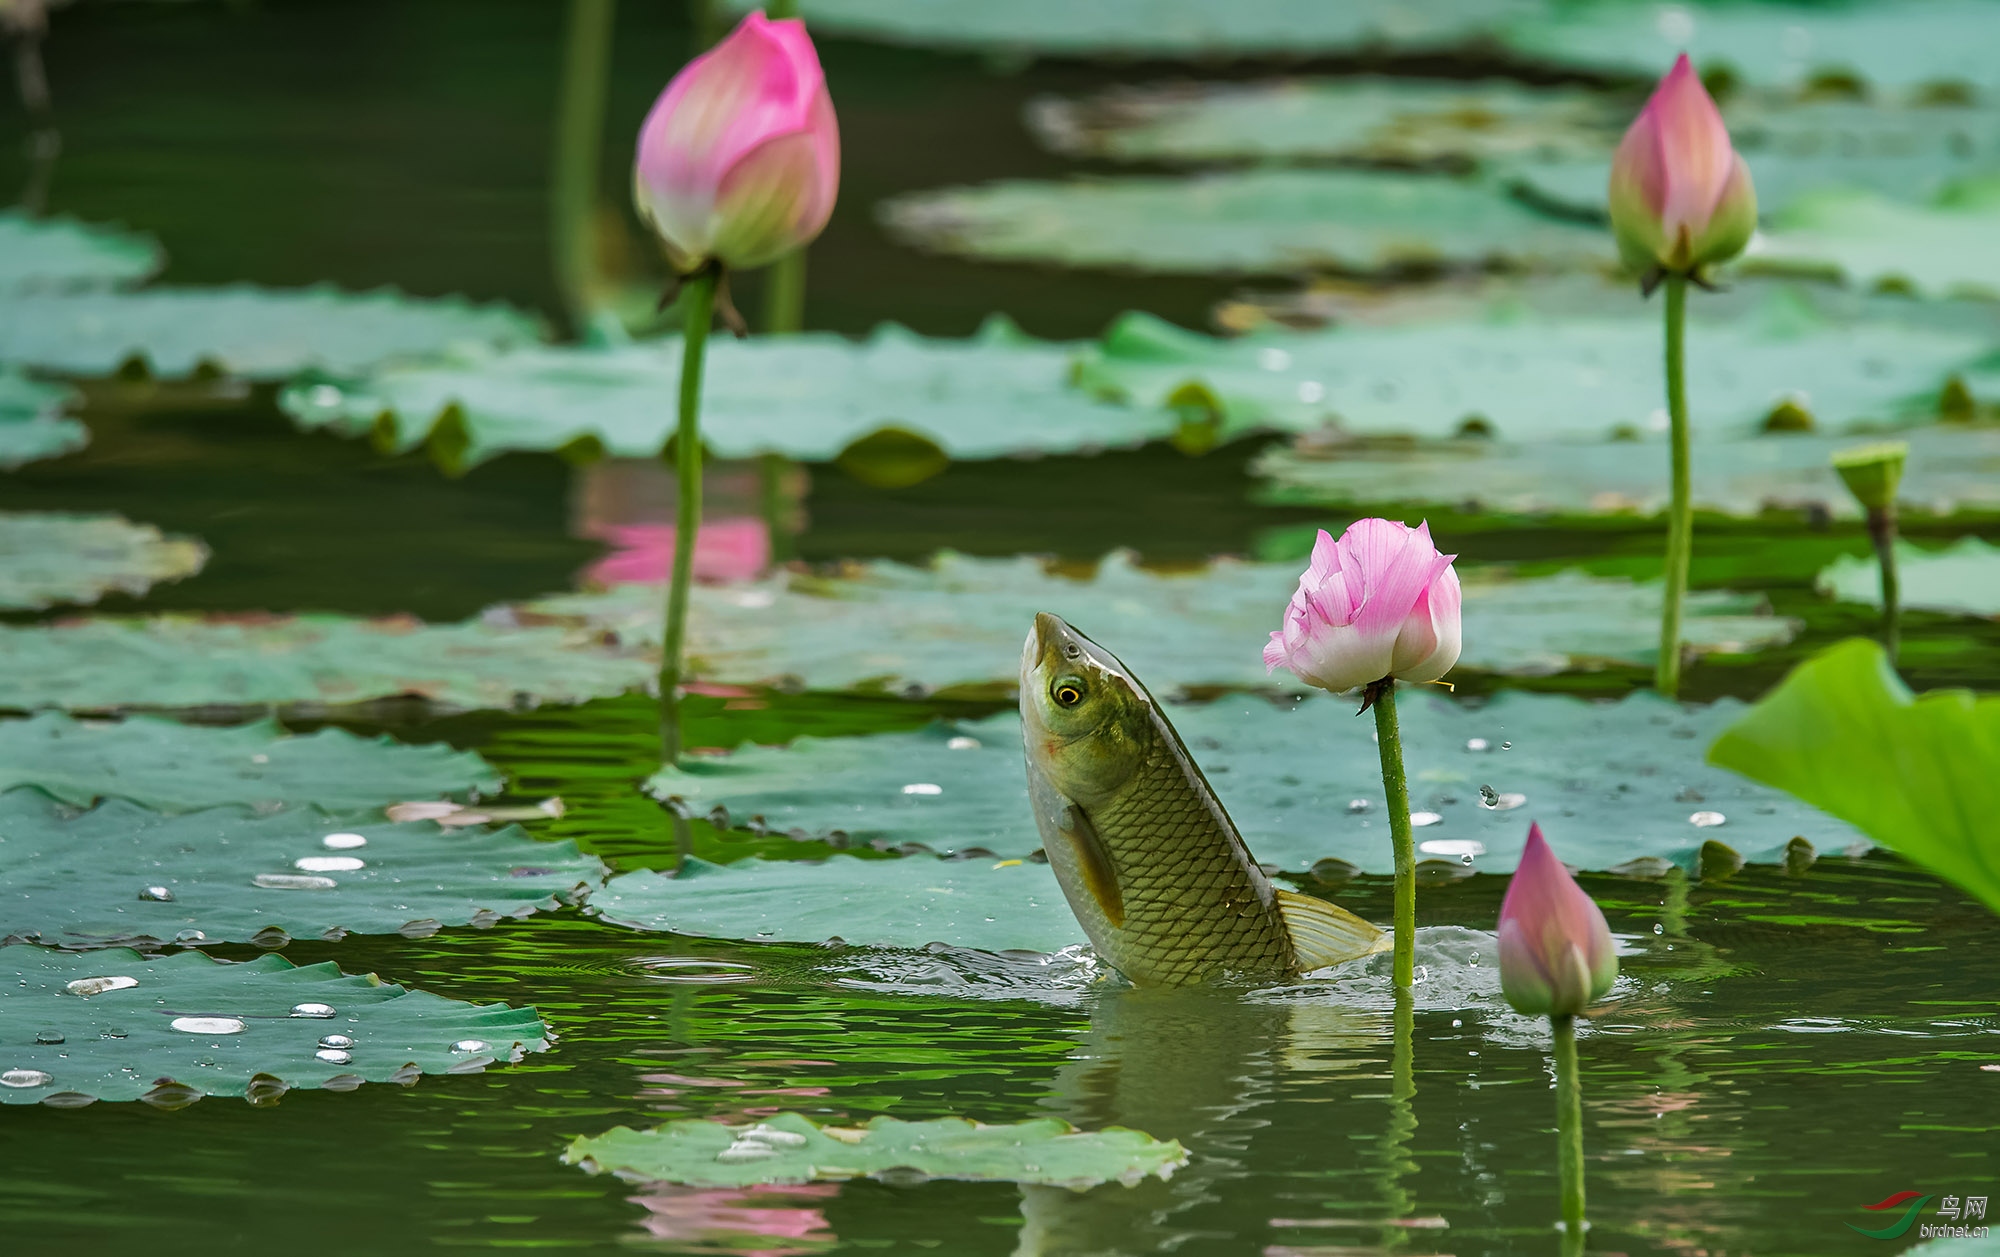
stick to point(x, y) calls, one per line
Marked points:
point(49, 557)
point(808, 397)
point(110, 663)
point(1609, 781)
point(88, 879)
point(1944, 246)
point(1405, 121)
point(62, 253)
point(1196, 29)
point(1908, 43)
point(262, 333)
point(1532, 376)
point(789, 1148)
point(961, 621)
point(1257, 222)
point(32, 425)
point(1963, 578)
point(1916, 774)
point(980, 904)
point(117, 1025)
point(1951, 467)
point(173, 767)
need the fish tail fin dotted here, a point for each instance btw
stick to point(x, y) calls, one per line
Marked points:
point(1327, 934)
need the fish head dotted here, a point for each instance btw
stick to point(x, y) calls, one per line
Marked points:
point(1085, 720)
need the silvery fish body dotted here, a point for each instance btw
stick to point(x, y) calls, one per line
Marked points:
point(1149, 860)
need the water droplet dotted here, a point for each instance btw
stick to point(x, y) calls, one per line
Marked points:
point(48, 1038)
point(1421, 819)
point(293, 881)
point(312, 1010)
point(1506, 746)
point(1423, 974)
point(335, 1041)
point(1486, 796)
point(207, 1025)
point(329, 863)
point(334, 1056)
point(1707, 820)
point(469, 1045)
point(962, 744)
point(156, 894)
point(343, 842)
point(1467, 847)
point(1358, 805)
point(1659, 928)
point(1465, 860)
point(24, 1078)
point(1496, 802)
point(775, 1138)
point(739, 1152)
point(1456, 1023)
point(190, 936)
point(923, 787)
point(1478, 744)
point(98, 986)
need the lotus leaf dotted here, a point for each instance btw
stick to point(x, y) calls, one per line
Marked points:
point(63, 253)
point(789, 1148)
point(1259, 222)
point(50, 558)
point(120, 872)
point(118, 1025)
point(1944, 246)
point(174, 767)
point(32, 425)
point(1609, 781)
point(1963, 578)
point(1914, 773)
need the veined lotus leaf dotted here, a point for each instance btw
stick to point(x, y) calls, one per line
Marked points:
point(1405, 121)
point(1169, 28)
point(112, 663)
point(1915, 774)
point(173, 767)
point(1944, 246)
point(1963, 578)
point(121, 873)
point(261, 333)
point(48, 558)
point(789, 1148)
point(32, 425)
point(961, 621)
point(808, 397)
point(1257, 222)
point(62, 253)
point(118, 1025)
point(1907, 44)
point(980, 904)
point(1531, 377)
point(1610, 782)
point(1951, 467)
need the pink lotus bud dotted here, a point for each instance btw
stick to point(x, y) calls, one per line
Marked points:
point(739, 159)
point(1680, 196)
point(1379, 602)
point(1556, 953)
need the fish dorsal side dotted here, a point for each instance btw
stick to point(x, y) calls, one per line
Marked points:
point(1100, 877)
point(1327, 934)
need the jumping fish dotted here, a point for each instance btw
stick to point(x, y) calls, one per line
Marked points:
point(1151, 864)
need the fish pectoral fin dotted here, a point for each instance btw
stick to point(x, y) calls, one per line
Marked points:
point(1094, 860)
point(1327, 934)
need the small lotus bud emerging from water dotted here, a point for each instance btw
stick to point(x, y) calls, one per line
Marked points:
point(1873, 473)
point(739, 159)
point(1680, 196)
point(1380, 602)
point(1556, 953)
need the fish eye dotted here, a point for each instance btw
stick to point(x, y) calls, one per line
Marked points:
point(1067, 693)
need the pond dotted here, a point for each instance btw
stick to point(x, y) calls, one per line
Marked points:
point(1791, 1039)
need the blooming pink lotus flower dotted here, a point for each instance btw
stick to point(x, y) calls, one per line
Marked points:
point(1556, 953)
point(1380, 602)
point(739, 159)
point(1680, 196)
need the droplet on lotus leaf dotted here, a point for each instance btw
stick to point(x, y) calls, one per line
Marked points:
point(98, 986)
point(312, 1010)
point(329, 863)
point(336, 1041)
point(962, 743)
point(469, 1045)
point(343, 842)
point(24, 1078)
point(334, 1056)
point(1358, 805)
point(294, 881)
point(1707, 820)
point(48, 1038)
point(1467, 847)
point(207, 1025)
point(1478, 744)
point(923, 787)
point(1421, 819)
point(156, 894)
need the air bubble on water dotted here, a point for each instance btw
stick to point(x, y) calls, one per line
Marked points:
point(98, 986)
point(21, 1079)
point(962, 743)
point(293, 881)
point(1707, 820)
point(156, 894)
point(343, 842)
point(329, 863)
point(334, 1056)
point(48, 1038)
point(335, 1041)
point(1478, 744)
point(206, 1025)
point(312, 1010)
point(469, 1045)
point(1358, 805)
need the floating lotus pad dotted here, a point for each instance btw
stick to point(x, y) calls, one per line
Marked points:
point(1962, 579)
point(262, 333)
point(1951, 468)
point(1914, 773)
point(174, 767)
point(808, 397)
point(64, 253)
point(1944, 246)
point(312, 660)
point(789, 1148)
point(961, 621)
point(1609, 781)
point(32, 425)
point(51, 558)
point(116, 1025)
point(1533, 376)
point(121, 873)
point(1261, 222)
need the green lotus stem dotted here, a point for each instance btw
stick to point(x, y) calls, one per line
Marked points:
point(1882, 531)
point(579, 133)
point(785, 279)
point(1395, 786)
point(698, 304)
point(1569, 1129)
point(1680, 514)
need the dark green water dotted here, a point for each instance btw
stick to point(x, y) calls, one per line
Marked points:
point(1785, 1049)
